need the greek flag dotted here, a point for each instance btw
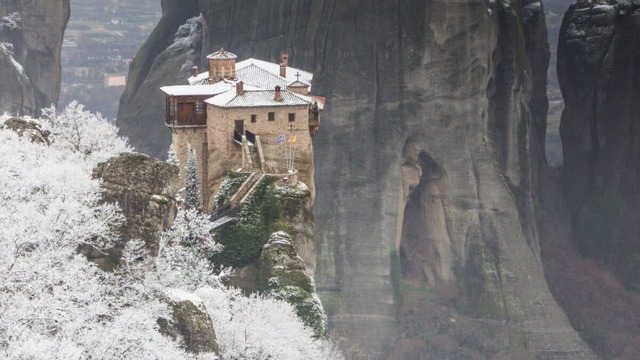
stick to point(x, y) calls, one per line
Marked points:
point(280, 139)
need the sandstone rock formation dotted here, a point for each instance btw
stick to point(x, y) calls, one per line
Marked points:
point(165, 59)
point(31, 34)
point(143, 187)
point(26, 127)
point(190, 323)
point(281, 274)
point(426, 168)
point(599, 72)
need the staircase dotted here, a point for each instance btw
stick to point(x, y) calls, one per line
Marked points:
point(252, 155)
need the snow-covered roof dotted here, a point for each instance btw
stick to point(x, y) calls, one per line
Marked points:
point(260, 73)
point(298, 84)
point(254, 98)
point(274, 68)
point(199, 90)
point(257, 76)
point(200, 79)
point(222, 55)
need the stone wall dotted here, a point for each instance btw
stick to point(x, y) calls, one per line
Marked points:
point(196, 136)
point(221, 145)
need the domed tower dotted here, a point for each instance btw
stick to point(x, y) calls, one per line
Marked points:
point(222, 65)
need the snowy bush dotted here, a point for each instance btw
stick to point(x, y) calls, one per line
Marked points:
point(54, 304)
point(80, 131)
point(257, 327)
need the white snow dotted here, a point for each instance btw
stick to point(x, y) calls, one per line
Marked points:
point(11, 21)
point(253, 98)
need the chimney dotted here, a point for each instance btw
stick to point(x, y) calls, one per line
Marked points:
point(284, 62)
point(239, 88)
point(278, 96)
point(194, 71)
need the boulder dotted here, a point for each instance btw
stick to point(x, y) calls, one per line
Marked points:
point(190, 323)
point(144, 189)
point(28, 127)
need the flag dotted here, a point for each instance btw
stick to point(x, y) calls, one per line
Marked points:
point(292, 139)
point(280, 139)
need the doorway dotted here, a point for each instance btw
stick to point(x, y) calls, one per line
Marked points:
point(239, 127)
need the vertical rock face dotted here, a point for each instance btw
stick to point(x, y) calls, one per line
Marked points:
point(599, 73)
point(426, 168)
point(165, 59)
point(432, 152)
point(31, 34)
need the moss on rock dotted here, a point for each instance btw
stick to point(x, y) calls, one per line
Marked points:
point(281, 274)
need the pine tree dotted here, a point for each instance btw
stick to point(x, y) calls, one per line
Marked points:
point(192, 194)
point(172, 158)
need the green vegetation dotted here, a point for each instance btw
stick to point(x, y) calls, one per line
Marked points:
point(281, 274)
point(230, 185)
point(243, 240)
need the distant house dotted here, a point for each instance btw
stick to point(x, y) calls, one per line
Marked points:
point(234, 108)
point(111, 80)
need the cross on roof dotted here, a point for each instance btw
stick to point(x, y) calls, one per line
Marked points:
point(298, 76)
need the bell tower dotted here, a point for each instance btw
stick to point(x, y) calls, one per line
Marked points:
point(222, 65)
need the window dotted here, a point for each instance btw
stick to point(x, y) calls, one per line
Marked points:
point(253, 118)
point(272, 116)
point(292, 117)
point(199, 107)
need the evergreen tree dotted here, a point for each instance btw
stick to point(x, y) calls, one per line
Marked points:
point(172, 158)
point(192, 194)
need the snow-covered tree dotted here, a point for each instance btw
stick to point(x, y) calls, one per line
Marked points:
point(84, 132)
point(192, 194)
point(183, 259)
point(256, 327)
point(54, 304)
point(172, 158)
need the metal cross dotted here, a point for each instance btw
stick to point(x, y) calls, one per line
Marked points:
point(298, 76)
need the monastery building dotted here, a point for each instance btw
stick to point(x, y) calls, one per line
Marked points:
point(252, 116)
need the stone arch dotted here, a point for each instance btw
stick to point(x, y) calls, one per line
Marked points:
point(424, 243)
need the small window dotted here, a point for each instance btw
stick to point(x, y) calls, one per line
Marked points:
point(199, 107)
point(253, 118)
point(272, 116)
point(292, 117)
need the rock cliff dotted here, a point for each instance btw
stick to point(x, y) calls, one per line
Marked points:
point(143, 187)
point(599, 75)
point(426, 168)
point(31, 34)
point(599, 72)
point(165, 59)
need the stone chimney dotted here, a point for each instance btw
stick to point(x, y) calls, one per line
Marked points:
point(194, 71)
point(278, 96)
point(239, 88)
point(284, 62)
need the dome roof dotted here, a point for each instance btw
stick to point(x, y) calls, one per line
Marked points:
point(222, 55)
